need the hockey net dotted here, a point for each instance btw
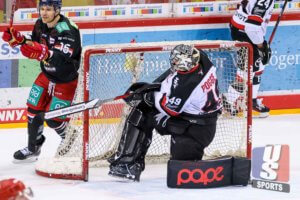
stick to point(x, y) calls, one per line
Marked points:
point(108, 70)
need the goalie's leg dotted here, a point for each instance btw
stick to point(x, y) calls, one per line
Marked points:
point(258, 106)
point(129, 160)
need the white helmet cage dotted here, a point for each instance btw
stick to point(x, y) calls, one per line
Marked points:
point(184, 57)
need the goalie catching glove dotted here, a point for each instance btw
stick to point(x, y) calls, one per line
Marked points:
point(141, 91)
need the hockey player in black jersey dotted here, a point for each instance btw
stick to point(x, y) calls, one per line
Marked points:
point(186, 106)
point(249, 23)
point(56, 43)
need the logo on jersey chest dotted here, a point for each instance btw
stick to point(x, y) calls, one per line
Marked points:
point(175, 82)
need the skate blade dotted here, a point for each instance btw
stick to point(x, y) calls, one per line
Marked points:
point(28, 160)
point(260, 115)
point(123, 178)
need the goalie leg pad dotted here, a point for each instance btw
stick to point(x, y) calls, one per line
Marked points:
point(129, 160)
point(241, 168)
point(218, 172)
point(134, 141)
point(199, 174)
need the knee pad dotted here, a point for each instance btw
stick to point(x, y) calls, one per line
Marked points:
point(58, 126)
point(185, 148)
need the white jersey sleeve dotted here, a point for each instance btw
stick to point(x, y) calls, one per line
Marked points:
point(253, 17)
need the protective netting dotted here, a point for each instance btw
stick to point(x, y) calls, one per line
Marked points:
point(110, 74)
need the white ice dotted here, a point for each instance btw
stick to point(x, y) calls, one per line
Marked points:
point(284, 129)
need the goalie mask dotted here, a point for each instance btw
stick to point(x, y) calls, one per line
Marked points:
point(184, 57)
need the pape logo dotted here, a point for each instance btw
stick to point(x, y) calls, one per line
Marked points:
point(199, 176)
point(271, 166)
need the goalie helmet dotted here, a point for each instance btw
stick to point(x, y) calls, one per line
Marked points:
point(184, 57)
point(12, 188)
point(55, 3)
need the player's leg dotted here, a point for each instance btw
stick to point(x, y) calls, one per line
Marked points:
point(129, 160)
point(61, 95)
point(36, 103)
point(258, 69)
point(236, 88)
point(191, 144)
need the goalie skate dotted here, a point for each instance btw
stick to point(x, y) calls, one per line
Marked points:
point(126, 171)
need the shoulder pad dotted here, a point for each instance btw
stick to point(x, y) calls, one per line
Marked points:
point(73, 24)
point(62, 26)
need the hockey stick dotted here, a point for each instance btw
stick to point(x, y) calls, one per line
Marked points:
point(277, 22)
point(12, 14)
point(95, 103)
point(81, 107)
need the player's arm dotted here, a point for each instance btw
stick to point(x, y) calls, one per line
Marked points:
point(14, 37)
point(168, 101)
point(259, 12)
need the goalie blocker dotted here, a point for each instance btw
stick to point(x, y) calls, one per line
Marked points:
point(208, 173)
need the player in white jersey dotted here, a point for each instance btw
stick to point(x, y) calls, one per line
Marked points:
point(186, 106)
point(249, 23)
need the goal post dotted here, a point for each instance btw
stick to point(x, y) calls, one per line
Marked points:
point(108, 70)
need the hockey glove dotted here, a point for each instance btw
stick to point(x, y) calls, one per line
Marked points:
point(265, 53)
point(135, 86)
point(36, 51)
point(135, 98)
point(13, 37)
point(142, 91)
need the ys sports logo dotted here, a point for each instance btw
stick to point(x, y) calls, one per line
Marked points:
point(270, 167)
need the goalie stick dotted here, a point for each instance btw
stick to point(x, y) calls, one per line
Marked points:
point(80, 107)
point(277, 22)
point(95, 103)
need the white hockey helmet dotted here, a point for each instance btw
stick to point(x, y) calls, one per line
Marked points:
point(184, 57)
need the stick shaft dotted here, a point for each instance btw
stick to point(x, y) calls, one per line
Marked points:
point(12, 14)
point(80, 107)
point(277, 22)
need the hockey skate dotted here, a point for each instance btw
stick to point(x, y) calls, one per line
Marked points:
point(126, 171)
point(260, 108)
point(26, 156)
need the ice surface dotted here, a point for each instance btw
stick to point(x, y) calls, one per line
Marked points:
point(283, 129)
